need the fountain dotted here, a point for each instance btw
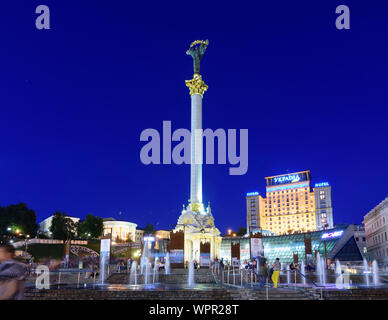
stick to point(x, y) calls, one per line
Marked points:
point(133, 274)
point(145, 262)
point(190, 279)
point(167, 264)
point(375, 273)
point(303, 272)
point(321, 270)
point(103, 261)
point(288, 274)
point(339, 278)
point(156, 273)
point(366, 272)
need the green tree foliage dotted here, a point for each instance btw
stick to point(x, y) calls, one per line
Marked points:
point(62, 227)
point(91, 227)
point(241, 231)
point(18, 216)
point(149, 229)
point(3, 221)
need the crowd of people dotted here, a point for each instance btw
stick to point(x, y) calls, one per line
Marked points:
point(267, 273)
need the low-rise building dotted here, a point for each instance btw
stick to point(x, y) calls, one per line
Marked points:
point(339, 243)
point(139, 235)
point(120, 230)
point(376, 230)
point(161, 239)
point(45, 225)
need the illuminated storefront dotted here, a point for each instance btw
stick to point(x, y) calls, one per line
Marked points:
point(287, 247)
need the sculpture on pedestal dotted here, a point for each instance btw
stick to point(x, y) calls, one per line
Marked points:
point(197, 222)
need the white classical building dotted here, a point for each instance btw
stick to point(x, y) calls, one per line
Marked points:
point(120, 230)
point(376, 230)
point(45, 225)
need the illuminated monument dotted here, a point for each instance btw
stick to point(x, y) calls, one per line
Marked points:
point(201, 238)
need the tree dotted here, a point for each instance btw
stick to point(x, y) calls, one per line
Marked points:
point(18, 217)
point(91, 227)
point(242, 231)
point(3, 221)
point(62, 227)
point(149, 229)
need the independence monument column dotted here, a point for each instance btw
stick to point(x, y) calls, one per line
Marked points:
point(202, 240)
point(197, 89)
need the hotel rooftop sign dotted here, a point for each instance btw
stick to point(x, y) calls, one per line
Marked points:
point(288, 178)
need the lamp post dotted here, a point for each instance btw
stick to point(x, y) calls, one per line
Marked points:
point(26, 242)
point(324, 242)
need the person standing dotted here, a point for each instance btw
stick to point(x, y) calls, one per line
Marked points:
point(262, 270)
point(222, 264)
point(12, 275)
point(276, 272)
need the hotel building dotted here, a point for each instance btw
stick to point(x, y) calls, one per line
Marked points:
point(290, 206)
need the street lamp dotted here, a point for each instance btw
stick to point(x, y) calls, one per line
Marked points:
point(26, 242)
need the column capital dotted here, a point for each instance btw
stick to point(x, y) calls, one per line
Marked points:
point(196, 85)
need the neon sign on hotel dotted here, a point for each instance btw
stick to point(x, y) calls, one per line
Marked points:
point(291, 178)
point(330, 235)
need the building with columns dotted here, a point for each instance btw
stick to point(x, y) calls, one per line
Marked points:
point(376, 230)
point(120, 230)
point(196, 221)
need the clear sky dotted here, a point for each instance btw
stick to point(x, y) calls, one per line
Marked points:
point(74, 100)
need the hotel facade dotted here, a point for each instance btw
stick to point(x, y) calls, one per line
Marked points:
point(291, 205)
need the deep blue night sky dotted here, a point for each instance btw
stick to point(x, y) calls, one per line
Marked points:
point(74, 100)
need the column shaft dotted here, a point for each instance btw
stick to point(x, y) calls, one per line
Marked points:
point(196, 149)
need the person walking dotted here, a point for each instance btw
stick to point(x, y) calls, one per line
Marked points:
point(262, 270)
point(222, 264)
point(12, 275)
point(276, 272)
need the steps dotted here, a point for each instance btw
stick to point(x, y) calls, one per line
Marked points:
point(88, 294)
point(273, 294)
point(178, 276)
